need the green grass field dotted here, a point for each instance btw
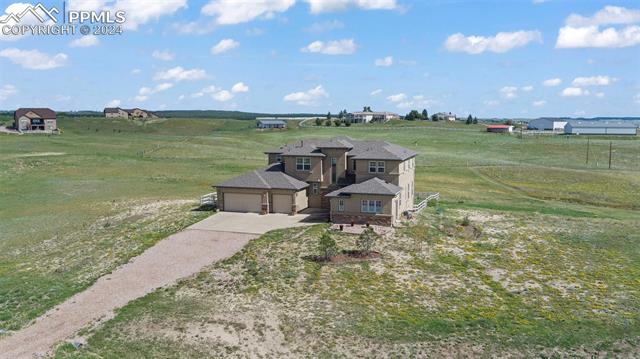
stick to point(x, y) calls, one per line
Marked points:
point(555, 268)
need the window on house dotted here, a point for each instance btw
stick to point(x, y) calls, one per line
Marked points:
point(341, 205)
point(278, 158)
point(314, 188)
point(371, 206)
point(376, 167)
point(303, 164)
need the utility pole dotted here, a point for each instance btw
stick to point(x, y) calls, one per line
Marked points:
point(587, 150)
point(610, 148)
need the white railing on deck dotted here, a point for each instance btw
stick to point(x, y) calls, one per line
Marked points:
point(209, 199)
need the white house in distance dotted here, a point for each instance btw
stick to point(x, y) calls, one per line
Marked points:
point(446, 116)
point(547, 124)
point(371, 116)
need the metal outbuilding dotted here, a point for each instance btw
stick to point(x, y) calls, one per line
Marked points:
point(580, 127)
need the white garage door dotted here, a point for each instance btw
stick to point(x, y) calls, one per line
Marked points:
point(282, 203)
point(242, 202)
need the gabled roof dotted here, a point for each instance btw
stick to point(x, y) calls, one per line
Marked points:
point(270, 177)
point(370, 150)
point(373, 186)
point(112, 110)
point(43, 112)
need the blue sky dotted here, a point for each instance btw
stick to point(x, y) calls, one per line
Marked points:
point(487, 58)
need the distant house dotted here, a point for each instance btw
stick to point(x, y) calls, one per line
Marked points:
point(580, 127)
point(35, 120)
point(500, 128)
point(371, 116)
point(444, 116)
point(117, 112)
point(265, 124)
point(546, 124)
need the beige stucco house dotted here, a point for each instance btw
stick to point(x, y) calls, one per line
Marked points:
point(357, 181)
point(35, 120)
point(117, 112)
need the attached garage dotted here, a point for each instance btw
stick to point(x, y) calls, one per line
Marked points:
point(245, 193)
point(242, 202)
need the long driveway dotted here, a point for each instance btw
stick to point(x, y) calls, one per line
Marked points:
point(177, 256)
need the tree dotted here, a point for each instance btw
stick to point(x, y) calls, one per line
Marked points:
point(366, 240)
point(469, 120)
point(347, 123)
point(327, 122)
point(337, 123)
point(328, 115)
point(475, 120)
point(508, 122)
point(327, 246)
point(367, 109)
point(412, 116)
point(425, 114)
point(434, 117)
point(340, 115)
point(318, 121)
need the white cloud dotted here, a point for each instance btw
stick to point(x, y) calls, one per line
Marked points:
point(256, 31)
point(113, 103)
point(399, 97)
point(527, 88)
point(320, 6)
point(509, 92)
point(593, 81)
point(320, 27)
point(239, 87)
point(582, 32)
point(600, 94)
point(552, 82)
point(136, 72)
point(309, 97)
point(181, 97)
point(28, 19)
point(144, 92)
point(539, 103)
point(335, 47)
point(180, 74)
point(591, 36)
point(501, 42)
point(34, 59)
point(138, 12)
point(6, 91)
point(574, 92)
point(608, 15)
point(224, 45)
point(85, 41)
point(376, 92)
point(385, 61)
point(222, 96)
point(164, 55)
point(231, 12)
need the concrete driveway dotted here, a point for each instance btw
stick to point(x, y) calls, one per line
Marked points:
point(256, 224)
point(177, 256)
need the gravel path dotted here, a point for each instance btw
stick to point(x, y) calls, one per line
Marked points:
point(175, 257)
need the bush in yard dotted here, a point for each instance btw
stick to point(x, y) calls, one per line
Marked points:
point(465, 221)
point(318, 121)
point(327, 246)
point(366, 240)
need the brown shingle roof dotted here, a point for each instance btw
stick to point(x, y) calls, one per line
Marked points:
point(271, 177)
point(43, 112)
point(372, 186)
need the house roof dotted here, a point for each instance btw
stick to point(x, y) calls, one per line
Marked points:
point(270, 177)
point(43, 112)
point(272, 122)
point(112, 109)
point(600, 124)
point(372, 150)
point(499, 126)
point(373, 186)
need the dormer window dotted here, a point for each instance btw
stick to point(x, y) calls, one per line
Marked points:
point(303, 163)
point(376, 166)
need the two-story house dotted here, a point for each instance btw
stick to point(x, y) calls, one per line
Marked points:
point(358, 181)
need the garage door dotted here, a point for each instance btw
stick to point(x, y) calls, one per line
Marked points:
point(282, 203)
point(242, 202)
